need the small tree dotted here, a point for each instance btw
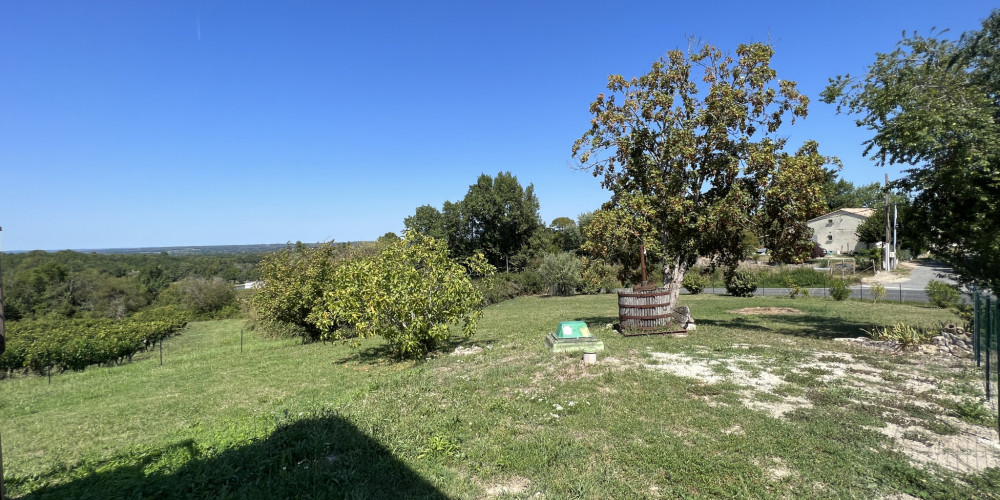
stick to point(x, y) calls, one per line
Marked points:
point(409, 294)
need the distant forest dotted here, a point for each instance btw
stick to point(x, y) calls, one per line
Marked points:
point(72, 284)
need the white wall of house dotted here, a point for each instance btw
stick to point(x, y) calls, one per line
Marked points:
point(836, 232)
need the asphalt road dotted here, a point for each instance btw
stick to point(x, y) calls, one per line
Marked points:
point(909, 290)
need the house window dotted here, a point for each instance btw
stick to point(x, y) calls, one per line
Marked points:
point(829, 238)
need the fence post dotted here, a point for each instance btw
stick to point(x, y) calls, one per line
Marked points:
point(975, 326)
point(989, 329)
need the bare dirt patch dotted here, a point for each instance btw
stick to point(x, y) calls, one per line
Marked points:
point(514, 486)
point(767, 310)
point(973, 448)
point(920, 385)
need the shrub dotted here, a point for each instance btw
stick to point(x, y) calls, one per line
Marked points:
point(498, 288)
point(942, 294)
point(562, 272)
point(529, 281)
point(741, 283)
point(877, 291)
point(817, 251)
point(906, 335)
point(802, 276)
point(409, 294)
point(839, 289)
point(205, 298)
point(794, 289)
point(694, 283)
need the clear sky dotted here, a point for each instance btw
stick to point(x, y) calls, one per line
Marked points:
point(196, 122)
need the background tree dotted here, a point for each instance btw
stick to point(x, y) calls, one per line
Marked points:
point(567, 235)
point(841, 193)
point(501, 216)
point(934, 104)
point(697, 160)
point(497, 217)
point(614, 235)
point(428, 221)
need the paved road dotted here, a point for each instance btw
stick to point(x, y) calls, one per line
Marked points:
point(909, 290)
point(924, 272)
point(893, 292)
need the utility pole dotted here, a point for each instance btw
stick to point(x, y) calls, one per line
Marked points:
point(895, 241)
point(888, 225)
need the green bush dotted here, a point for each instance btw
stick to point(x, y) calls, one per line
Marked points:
point(562, 272)
point(694, 282)
point(877, 291)
point(205, 298)
point(794, 289)
point(741, 283)
point(942, 294)
point(801, 276)
point(529, 281)
point(839, 289)
point(498, 288)
point(409, 294)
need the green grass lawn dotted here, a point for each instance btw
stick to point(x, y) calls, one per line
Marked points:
point(747, 406)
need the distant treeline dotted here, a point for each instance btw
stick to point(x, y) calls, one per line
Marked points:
point(73, 284)
point(258, 248)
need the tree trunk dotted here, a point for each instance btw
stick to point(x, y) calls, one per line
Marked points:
point(673, 275)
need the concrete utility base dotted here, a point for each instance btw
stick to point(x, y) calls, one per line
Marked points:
point(589, 344)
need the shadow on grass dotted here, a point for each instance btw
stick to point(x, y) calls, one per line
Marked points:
point(384, 354)
point(800, 325)
point(597, 321)
point(321, 457)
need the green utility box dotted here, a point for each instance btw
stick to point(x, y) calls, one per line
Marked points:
point(573, 336)
point(572, 330)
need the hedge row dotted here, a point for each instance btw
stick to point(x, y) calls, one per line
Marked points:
point(74, 344)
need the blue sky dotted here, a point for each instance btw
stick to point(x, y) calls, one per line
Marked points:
point(126, 124)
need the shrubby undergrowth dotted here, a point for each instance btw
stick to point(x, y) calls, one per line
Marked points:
point(408, 291)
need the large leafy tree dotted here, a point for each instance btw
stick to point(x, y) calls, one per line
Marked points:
point(934, 104)
point(501, 216)
point(497, 217)
point(692, 155)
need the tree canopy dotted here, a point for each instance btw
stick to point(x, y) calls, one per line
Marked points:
point(692, 155)
point(934, 104)
point(497, 217)
point(841, 193)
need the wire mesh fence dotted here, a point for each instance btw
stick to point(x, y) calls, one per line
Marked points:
point(985, 340)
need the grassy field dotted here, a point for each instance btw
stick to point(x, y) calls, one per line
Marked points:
point(749, 406)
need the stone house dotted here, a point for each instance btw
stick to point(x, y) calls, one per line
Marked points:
point(836, 232)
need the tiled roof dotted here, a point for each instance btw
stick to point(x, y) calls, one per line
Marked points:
point(860, 212)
